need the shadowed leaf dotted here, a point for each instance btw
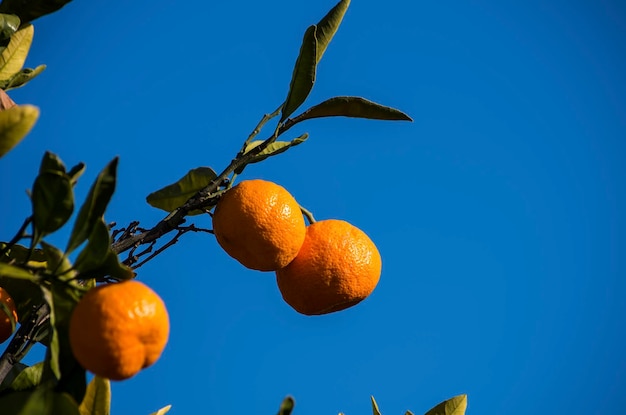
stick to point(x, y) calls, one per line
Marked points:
point(14, 55)
point(96, 251)
point(8, 25)
point(94, 206)
point(15, 123)
point(21, 78)
point(286, 406)
point(53, 202)
point(354, 107)
point(175, 195)
point(327, 27)
point(10, 271)
point(21, 254)
point(31, 9)
point(28, 378)
point(452, 406)
point(303, 76)
point(97, 400)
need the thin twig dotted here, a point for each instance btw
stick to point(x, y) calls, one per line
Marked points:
point(19, 235)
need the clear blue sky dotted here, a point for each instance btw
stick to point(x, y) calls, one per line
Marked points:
point(499, 212)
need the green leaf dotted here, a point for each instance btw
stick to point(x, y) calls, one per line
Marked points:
point(25, 294)
point(21, 78)
point(20, 254)
point(40, 401)
point(95, 253)
point(355, 107)
point(64, 367)
point(452, 406)
point(14, 55)
point(175, 195)
point(375, 409)
point(408, 413)
point(10, 271)
point(76, 171)
point(286, 406)
point(303, 76)
point(163, 410)
point(94, 206)
point(57, 263)
point(111, 267)
point(51, 163)
point(31, 9)
point(8, 25)
point(274, 148)
point(327, 27)
point(53, 202)
point(28, 378)
point(13, 373)
point(97, 400)
point(15, 123)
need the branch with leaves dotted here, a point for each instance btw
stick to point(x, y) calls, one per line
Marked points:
point(47, 282)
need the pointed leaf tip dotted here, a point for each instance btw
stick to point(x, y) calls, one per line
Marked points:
point(375, 410)
point(303, 76)
point(453, 406)
point(173, 196)
point(327, 27)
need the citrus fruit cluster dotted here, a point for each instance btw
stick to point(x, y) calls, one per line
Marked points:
point(118, 329)
point(325, 267)
point(6, 326)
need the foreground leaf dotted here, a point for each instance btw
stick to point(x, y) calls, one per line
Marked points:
point(327, 27)
point(95, 253)
point(8, 25)
point(303, 76)
point(31, 9)
point(274, 148)
point(94, 206)
point(10, 271)
point(53, 202)
point(97, 400)
point(14, 55)
point(176, 194)
point(28, 378)
point(40, 401)
point(15, 123)
point(452, 406)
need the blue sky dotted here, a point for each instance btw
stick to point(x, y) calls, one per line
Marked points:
point(498, 212)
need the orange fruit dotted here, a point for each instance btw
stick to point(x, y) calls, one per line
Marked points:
point(260, 224)
point(337, 267)
point(6, 328)
point(118, 329)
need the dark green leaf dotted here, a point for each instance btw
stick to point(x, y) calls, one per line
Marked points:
point(25, 294)
point(15, 123)
point(53, 202)
point(111, 267)
point(21, 254)
point(71, 376)
point(13, 373)
point(7, 313)
point(286, 406)
point(10, 271)
point(31, 9)
point(175, 195)
point(327, 27)
point(8, 25)
point(97, 400)
point(21, 78)
point(51, 163)
point(14, 55)
point(43, 400)
point(274, 148)
point(375, 409)
point(94, 206)
point(303, 76)
point(29, 378)
point(453, 406)
point(75, 172)
point(95, 253)
point(355, 107)
point(57, 263)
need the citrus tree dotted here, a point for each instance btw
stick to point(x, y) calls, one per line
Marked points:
point(82, 301)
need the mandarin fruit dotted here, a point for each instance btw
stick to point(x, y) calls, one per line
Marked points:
point(6, 326)
point(337, 267)
point(260, 224)
point(118, 329)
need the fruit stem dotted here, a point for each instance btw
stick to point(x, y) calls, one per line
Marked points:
point(308, 215)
